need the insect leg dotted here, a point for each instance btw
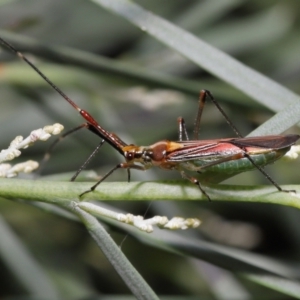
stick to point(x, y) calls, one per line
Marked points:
point(202, 99)
point(87, 161)
point(182, 129)
point(241, 155)
point(203, 95)
point(267, 175)
point(195, 181)
point(119, 166)
point(128, 175)
point(59, 139)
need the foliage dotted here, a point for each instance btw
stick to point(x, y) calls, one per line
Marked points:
point(125, 69)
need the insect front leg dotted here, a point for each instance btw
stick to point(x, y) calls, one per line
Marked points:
point(59, 139)
point(83, 166)
point(118, 166)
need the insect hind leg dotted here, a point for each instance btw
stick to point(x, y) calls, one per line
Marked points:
point(262, 170)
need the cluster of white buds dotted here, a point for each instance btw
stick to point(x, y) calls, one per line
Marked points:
point(293, 153)
point(13, 151)
point(138, 221)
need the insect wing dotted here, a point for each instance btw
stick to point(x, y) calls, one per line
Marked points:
point(194, 155)
point(275, 142)
point(206, 149)
point(220, 148)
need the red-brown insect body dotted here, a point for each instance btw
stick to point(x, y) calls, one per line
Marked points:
point(200, 156)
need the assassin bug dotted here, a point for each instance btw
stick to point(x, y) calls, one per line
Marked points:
point(208, 158)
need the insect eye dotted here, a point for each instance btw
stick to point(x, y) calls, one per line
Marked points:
point(130, 155)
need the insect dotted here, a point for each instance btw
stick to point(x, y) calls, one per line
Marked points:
point(211, 160)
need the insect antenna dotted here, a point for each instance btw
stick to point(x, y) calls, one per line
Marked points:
point(91, 124)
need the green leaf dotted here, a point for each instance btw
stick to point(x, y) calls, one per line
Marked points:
point(257, 86)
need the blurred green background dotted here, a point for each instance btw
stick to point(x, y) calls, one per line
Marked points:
point(142, 110)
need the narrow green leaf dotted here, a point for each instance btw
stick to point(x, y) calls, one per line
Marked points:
point(285, 286)
point(25, 268)
point(252, 83)
point(128, 273)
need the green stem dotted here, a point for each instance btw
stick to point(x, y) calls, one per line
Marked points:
point(63, 193)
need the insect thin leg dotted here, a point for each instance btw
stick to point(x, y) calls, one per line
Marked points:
point(102, 179)
point(266, 174)
point(128, 175)
point(119, 166)
point(182, 129)
point(237, 132)
point(239, 135)
point(203, 95)
point(195, 181)
point(202, 100)
point(59, 139)
point(88, 160)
